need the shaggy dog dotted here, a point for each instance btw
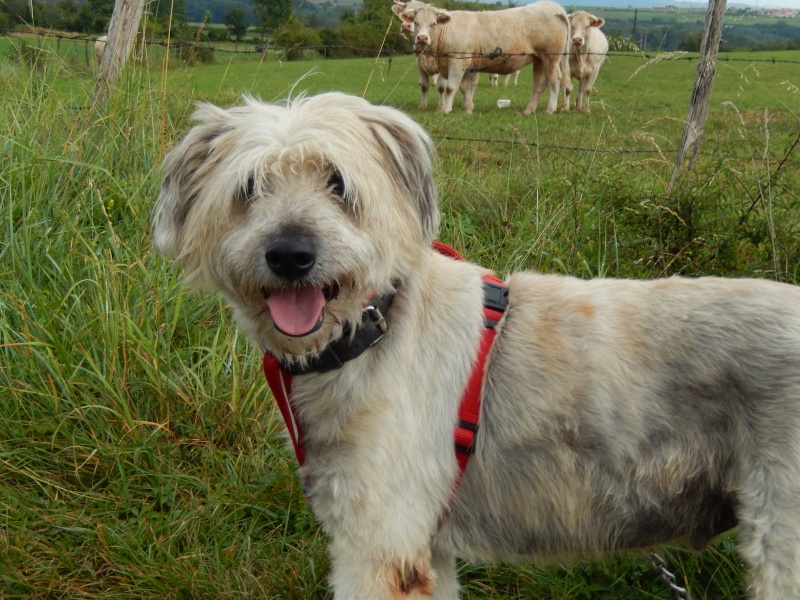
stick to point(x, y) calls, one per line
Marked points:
point(615, 414)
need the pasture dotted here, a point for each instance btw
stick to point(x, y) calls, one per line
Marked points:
point(140, 453)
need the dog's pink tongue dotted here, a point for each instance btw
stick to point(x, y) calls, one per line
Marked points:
point(296, 311)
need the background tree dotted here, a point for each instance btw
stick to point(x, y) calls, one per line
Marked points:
point(95, 15)
point(273, 14)
point(236, 22)
point(366, 30)
point(299, 40)
point(168, 16)
point(17, 11)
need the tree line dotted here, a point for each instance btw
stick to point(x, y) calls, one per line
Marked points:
point(344, 28)
point(87, 16)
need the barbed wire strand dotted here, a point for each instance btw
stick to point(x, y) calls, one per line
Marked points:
point(371, 52)
point(446, 137)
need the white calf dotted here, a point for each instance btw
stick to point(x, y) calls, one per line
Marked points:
point(100, 48)
point(508, 78)
point(587, 53)
point(494, 79)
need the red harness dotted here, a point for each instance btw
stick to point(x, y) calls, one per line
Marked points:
point(495, 301)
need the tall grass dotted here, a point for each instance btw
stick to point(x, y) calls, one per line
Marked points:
point(140, 455)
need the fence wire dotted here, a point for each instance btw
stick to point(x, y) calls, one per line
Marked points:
point(326, 49)
point(372, 52)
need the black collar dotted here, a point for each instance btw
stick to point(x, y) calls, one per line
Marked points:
point(374, 324)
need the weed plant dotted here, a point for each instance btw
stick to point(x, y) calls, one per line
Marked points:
point(140, 454)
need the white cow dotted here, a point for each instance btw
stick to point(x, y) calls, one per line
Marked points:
point(428, 66)
point(588, 52)
point(100, 48)
point(501, 41)
point(508, 78)
point(494, 79)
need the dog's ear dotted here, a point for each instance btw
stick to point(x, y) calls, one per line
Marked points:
point(410, 152)
point(184, 171)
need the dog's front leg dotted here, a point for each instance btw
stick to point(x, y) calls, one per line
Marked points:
point(444, 567)
point(359, 576)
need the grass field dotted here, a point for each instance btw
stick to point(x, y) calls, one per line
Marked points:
point(140, 454)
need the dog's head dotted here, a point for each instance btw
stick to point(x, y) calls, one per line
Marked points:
point(298, 212)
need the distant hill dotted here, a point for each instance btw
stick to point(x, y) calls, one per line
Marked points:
point(634, 3)
point(196, 9)
point(679, 27)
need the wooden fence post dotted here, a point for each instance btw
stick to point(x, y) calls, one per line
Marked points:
point(121, 37)
point(703, 85)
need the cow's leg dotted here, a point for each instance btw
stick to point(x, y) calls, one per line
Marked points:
point(584, 90)
point(441, 87)
point(424, 85)
point(579, 95)
point(538, 86)
point(566, 94)
point(590, 86)
point(469, 83)
point(439, 80)
point(552, 75)
point(448, 87)
point(566, 83)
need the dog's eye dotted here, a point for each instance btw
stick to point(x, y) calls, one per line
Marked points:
point(246, 193)
point(336, 184)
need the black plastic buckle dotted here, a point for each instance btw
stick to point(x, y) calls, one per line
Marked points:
point(495, 296)
point(472, 428)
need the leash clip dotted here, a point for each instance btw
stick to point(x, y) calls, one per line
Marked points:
point(379, 320)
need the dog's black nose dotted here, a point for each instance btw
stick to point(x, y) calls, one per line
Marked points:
point(291, 258)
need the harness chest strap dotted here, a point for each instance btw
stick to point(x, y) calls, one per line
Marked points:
point(280, 382)
point(495, 302)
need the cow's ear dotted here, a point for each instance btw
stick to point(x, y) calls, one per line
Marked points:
point(407, 18)
point(597, 21)
point(442, 17)
point(398, 8)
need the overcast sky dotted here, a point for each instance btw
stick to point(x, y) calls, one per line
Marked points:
point(769, 3)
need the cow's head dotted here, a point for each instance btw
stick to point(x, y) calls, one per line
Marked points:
point(581, 23)
point(419, 19)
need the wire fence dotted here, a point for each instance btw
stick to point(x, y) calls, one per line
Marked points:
point(330, 50)
point(335, 50)
point(662, 152)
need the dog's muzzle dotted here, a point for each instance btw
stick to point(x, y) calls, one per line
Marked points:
point(297, 309)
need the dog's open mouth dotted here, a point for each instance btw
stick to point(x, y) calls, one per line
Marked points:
point(299, 311)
